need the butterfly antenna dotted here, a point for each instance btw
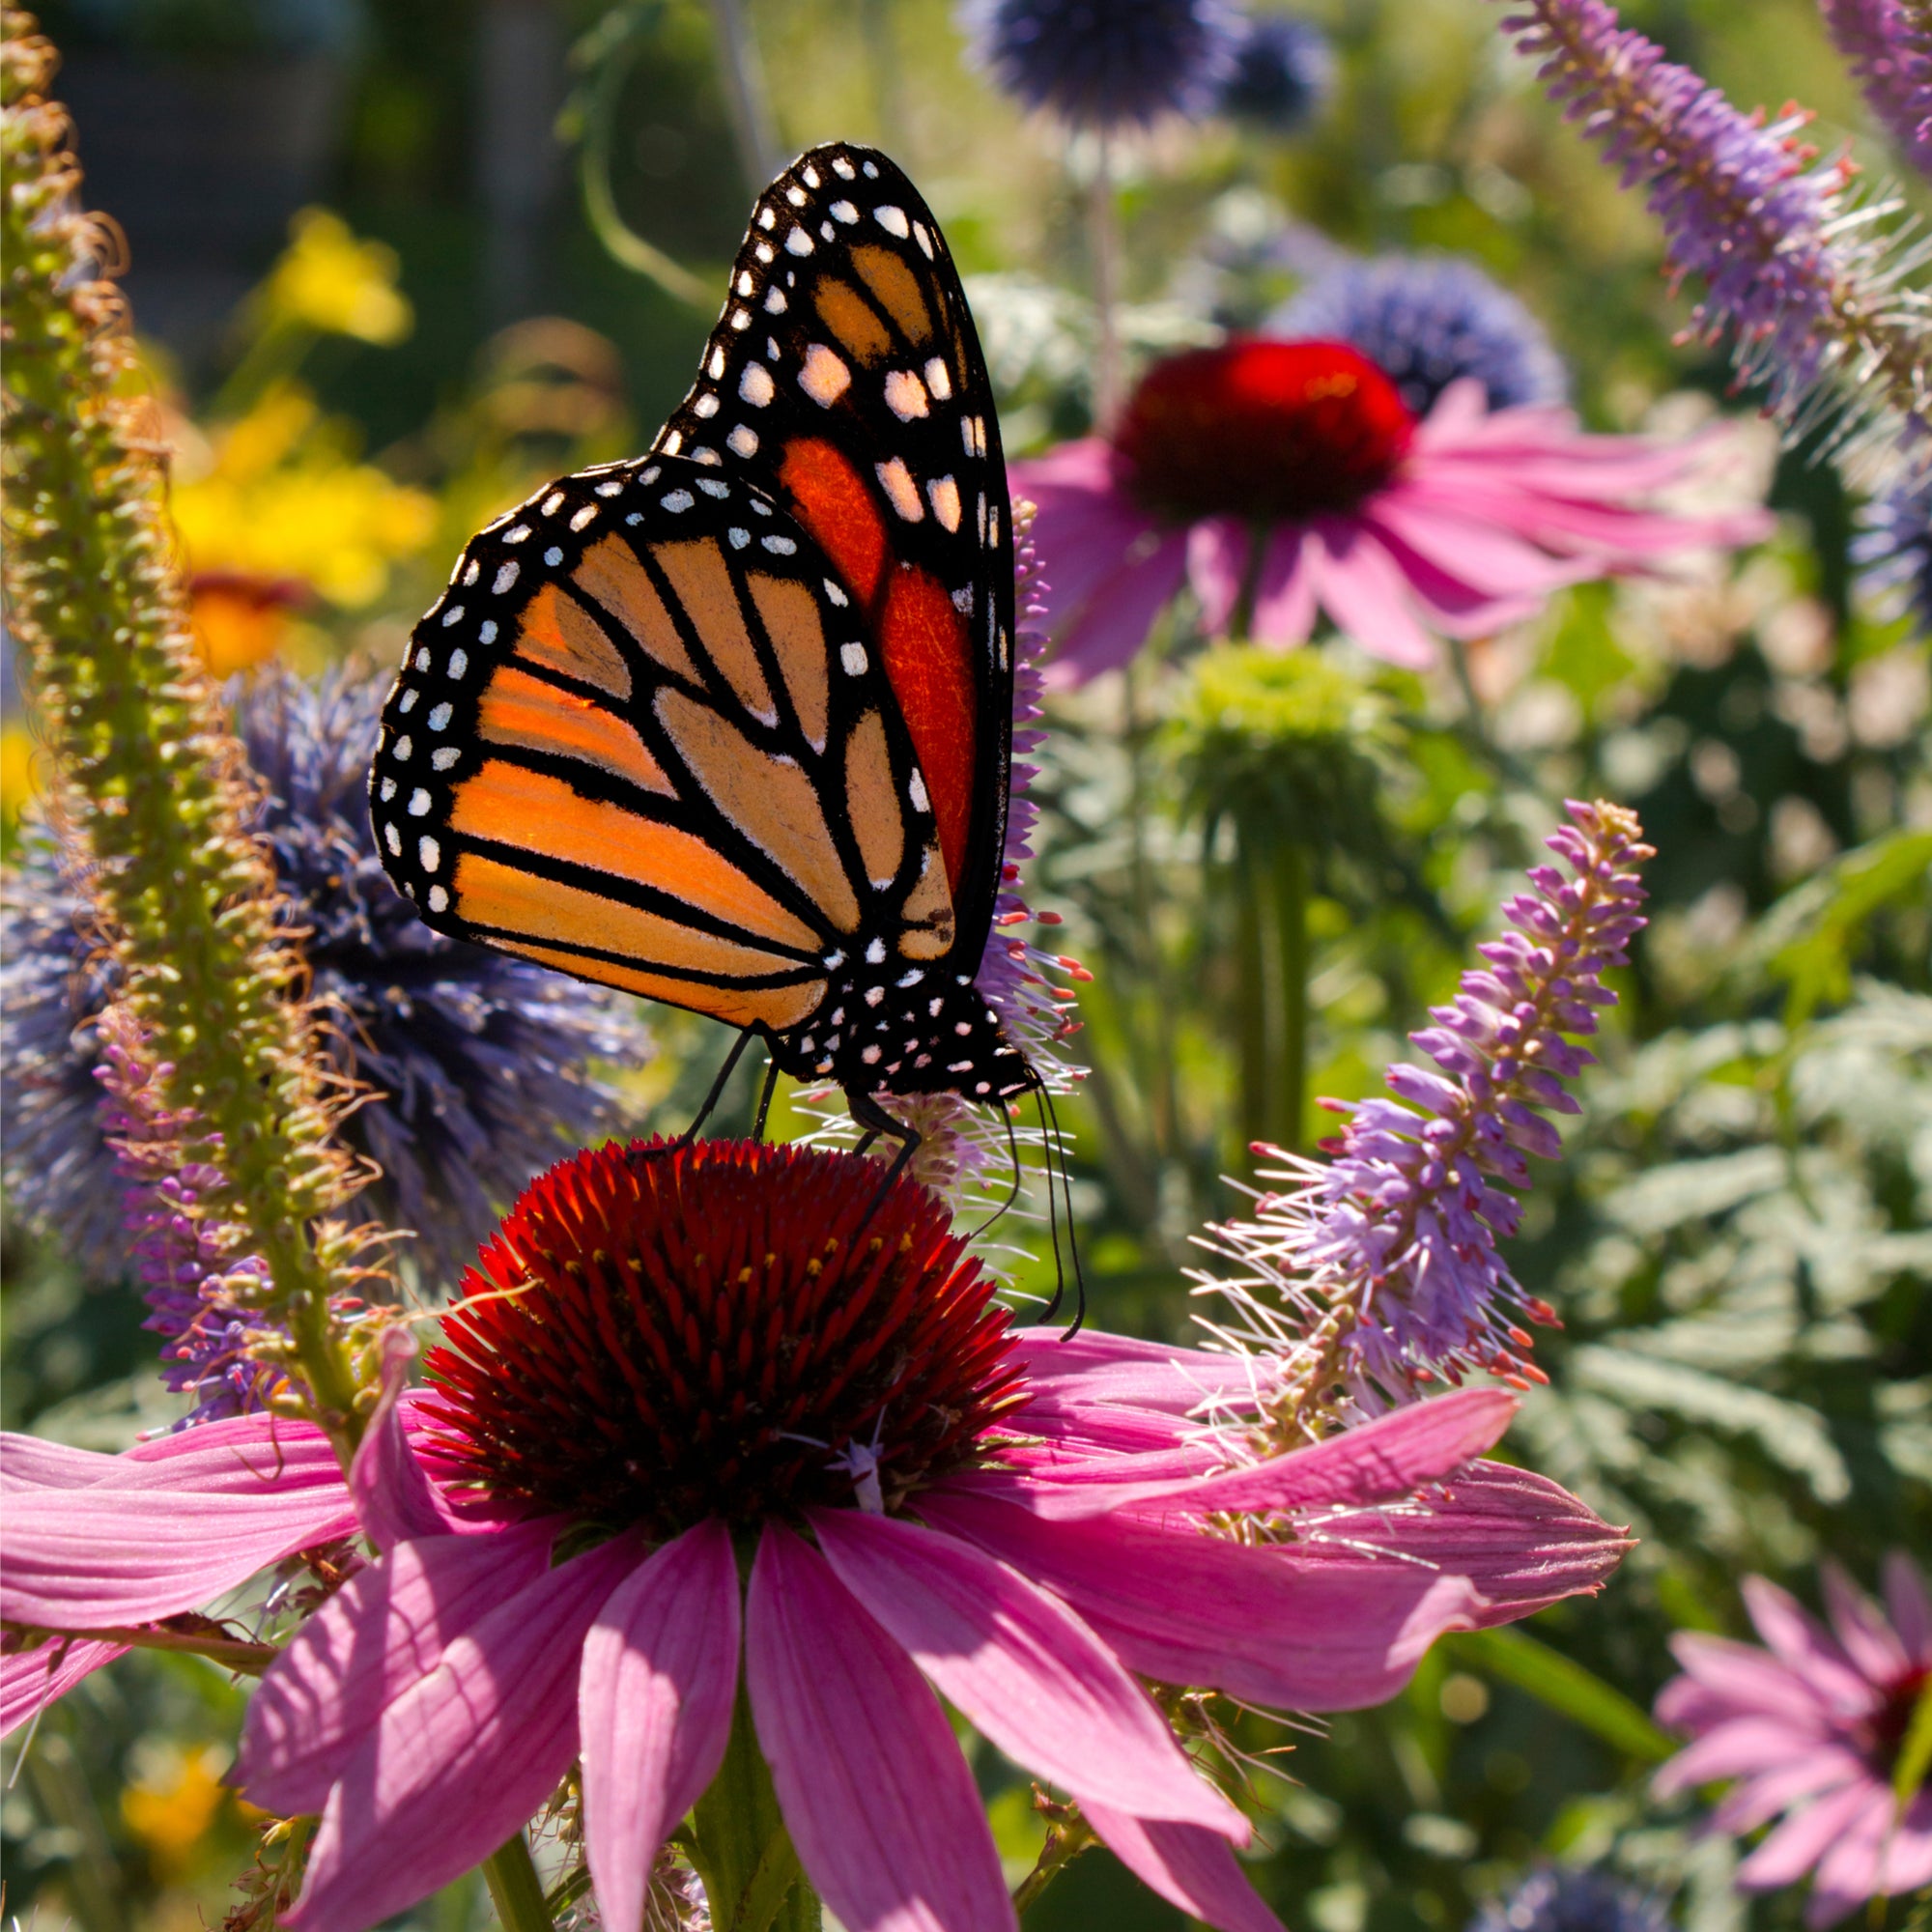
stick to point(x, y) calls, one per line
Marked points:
point(1019, 1179)
point(1055, 1143)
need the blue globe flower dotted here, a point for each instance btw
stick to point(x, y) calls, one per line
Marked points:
point(1284, 72)
point(477, 1061)
point(1107, 64)
point(1557, 1900)
point(1427, 320)
point(1893, 551)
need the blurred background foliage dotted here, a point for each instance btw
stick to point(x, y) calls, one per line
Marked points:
point(374, 312)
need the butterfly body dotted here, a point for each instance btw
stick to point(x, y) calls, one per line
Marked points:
point(730, 724)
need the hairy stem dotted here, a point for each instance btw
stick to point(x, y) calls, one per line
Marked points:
point(515, 1890)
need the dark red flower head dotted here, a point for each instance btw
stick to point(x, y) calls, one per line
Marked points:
point(719, 1330)
point(1262, 430)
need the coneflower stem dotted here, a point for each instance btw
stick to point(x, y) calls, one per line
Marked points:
point(1104, 245)
point(515, 1890)
point(1271, 1024)
point(745, 95)
point(742, 1850)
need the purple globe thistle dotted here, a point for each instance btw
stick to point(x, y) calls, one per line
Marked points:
point(1106, 64)
point(1377, 1270)
point(1559, 1899)
point(477, 1060)
point(1893, 551)
point(1888, 52)
point(1283, 75)
point(1427, 320)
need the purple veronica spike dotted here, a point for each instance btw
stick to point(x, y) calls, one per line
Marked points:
point(199, 1288)
point(1790, 265)
point(1379, 1268)
point(1887, 51)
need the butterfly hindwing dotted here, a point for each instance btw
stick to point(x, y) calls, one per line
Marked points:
point(845, 377)
point(643, 738)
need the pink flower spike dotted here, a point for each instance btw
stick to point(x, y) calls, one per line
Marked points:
point(1023, 1669)
point(654, 1699)
point(881, 1806)
point(462, 1758)
point(1187, 1867)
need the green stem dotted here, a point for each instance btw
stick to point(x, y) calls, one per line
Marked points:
point(1068, 1836)
point(740, 1848)
point(1271, 1020)
point(1104, 245)
point(515, 1890)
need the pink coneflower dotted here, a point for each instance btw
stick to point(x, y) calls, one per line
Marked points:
point(1813, 1727)
point(716, 1409)
point(1290, 478)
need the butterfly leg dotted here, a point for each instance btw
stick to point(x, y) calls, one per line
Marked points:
point(724, 1072)
point(765, 1094)
point(874, 1119)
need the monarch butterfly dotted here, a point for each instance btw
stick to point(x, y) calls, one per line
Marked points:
point(730, 724)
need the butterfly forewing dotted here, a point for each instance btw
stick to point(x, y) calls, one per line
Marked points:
point(643, 738)
point(845, 377)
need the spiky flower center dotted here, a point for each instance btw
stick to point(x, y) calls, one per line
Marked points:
point(1892, 1719)
point(656, 1335)
point(1261, 430)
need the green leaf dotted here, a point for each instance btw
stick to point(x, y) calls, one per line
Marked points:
point(1565, 1686)
point(1915, 1752)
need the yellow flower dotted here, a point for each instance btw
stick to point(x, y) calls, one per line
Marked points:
point(19, 779)
point(172, 1805)
point(283, 498)
point(328, 280)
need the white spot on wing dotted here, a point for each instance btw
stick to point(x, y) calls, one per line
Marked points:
point(833, 591)
point(705, 406)
point(842, 168)
point(905, 394)
point(893, 220)
point(459, 662)
point(915, 791)
point(742, 441)
point(798, 243)
point(438, 900)
point(900, 491)
point(844, 210)
point(583, 516)
point(756, 385)
point(853, 658)
point(824, 378)
point(678, 501)
point(717, 359)
point(939, 379)
point(775, 301)
point(429, 852)
point(943, 494)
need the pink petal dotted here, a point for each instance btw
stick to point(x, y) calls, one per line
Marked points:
point(1730, 1749)
point(394, 1497)
point(380, 1634)
point(1191, 1608)
point(1908, 1850)
point(81, 1559)
point(1022, 1667)
point(1187, 1867)
point(1910, 1606)
point(1799, 1641)
point(1738, 1677)
point(32, 1462)
point(1361, 588)
point(1219, 556)
point(1798, 1844)
point(1113, 622)
point(1521, 1538)
point(878, 1799)
point(240, 1455)
point(1097, 1371)
point(1375, 1461)
point(30, 1680)
point(464, 1757)
point(1488, 562)
point(1756, 1800)
point(1285, 592)
point(654, 1708)
point(1848, 1872)
point(1868, 1640)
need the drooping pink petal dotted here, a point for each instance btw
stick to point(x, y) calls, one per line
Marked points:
point(1375, 1461)
point(1868, 1640)
point(1285, 594)
point(30, 1680)
point(394, 1497)
point(1187, 1867)
point(1113, 621)
point(32, 1462)
point(1847, 1873)
point(1910, 1606)
point(654, 1706)
point(86, 1559)
point(1799, 1641)
point(1097, 1372)
point(1732, 1749)
point(384, 1632)
point(1725, 1676)
point(1358, 584)
point(464, 1757)
point(1188, 1607)
point(1798, 1844)
point(1218, 554)
point(1491, 562)
point(1022, 1667)
point(878, 1796)
point(1809, 1770)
